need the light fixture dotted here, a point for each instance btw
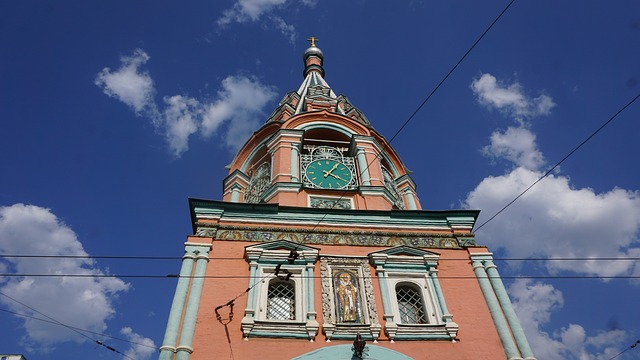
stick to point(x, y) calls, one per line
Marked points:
point(358, 346)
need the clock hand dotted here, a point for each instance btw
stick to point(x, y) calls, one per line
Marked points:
point(327, 173)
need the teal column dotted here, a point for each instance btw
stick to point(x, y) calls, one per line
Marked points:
point(310, 287)
point(235, 194)
point(363, 166)
point(433, 275)
point(384, 289)
point(411, 200)
point(191, 313)
point(251, 296)
point(177, 305)
point(496, 312)
point(505, 304)
point(295, 161)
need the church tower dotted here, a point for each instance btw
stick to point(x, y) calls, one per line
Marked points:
point(320, 249)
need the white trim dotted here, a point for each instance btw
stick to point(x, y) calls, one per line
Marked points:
point(431, 312)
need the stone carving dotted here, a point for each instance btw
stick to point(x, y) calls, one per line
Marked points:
point(324, 203)
point(390, 185)
point(206, 232)
point(260, 181)
point(337, 237)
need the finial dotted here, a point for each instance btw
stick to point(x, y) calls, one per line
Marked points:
point(313, 40)
point(313, 58)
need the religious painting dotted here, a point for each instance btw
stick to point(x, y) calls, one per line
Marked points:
point(347, 292)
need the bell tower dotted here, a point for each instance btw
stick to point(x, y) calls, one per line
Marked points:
point(320, 249)
point(318, 150)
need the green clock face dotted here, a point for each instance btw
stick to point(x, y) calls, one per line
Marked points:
point(328, 174)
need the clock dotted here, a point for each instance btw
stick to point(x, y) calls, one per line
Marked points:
point(325, 167)
point(328, 174)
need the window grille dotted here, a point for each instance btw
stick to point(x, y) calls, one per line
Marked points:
point(281, 300)
point(410, 305)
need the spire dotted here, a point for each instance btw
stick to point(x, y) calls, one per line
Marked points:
point(314, 94)
point(313, 58)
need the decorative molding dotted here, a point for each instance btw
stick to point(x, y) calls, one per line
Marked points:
point(206, 232)
point(369, 328)
point(329, 203)
point(260, 181)
point(332, 237)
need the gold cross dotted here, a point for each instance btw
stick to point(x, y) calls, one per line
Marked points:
point(313, 40)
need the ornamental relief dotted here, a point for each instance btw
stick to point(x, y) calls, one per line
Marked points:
point(336, 237)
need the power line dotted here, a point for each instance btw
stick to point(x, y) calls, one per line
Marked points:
point(77, 328)
point(632, 346)
point(309, 277)
point(412, 115)
point(128, 257)
point(559, 162)
point(452, 70)
point(67, 326)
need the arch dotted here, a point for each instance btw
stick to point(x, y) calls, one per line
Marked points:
point(410, 303)
point(281, 300)
point(326, 125)
point(340, 352)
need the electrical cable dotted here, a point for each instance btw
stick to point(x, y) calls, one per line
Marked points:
point(127, 257)
point(632, 346)
point(306, 277)
point(435, 89)
point(67, 326)
point(559, 162)
point(77, 328)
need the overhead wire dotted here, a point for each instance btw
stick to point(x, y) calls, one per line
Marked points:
point(427, 98)
point(133, 257)
point(632, 346)
point(67, 326)
point(77, 328)
point(304, 276)
point(559, 162)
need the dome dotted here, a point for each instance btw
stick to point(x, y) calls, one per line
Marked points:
point(313, 50)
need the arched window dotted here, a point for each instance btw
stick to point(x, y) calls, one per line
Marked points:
point(410, 305)
point(281, 303)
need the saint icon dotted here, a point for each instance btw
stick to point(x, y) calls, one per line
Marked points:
point(347, 298)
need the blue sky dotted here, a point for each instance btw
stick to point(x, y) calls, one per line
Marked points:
point(112, 114)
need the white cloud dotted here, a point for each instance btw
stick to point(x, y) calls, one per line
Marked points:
point(518, 145)
point(263, 10)
point(288, 30)
point(141, 348)
point(534, 303)
point(128, 84)
point(180, 116)
point(240, 101)
point(239, 105)
point(85, 303)
point(510, 99)
point(554, 219)
point(245, 10)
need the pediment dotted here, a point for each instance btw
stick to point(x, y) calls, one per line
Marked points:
point(404, 250)
point(281, 245)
